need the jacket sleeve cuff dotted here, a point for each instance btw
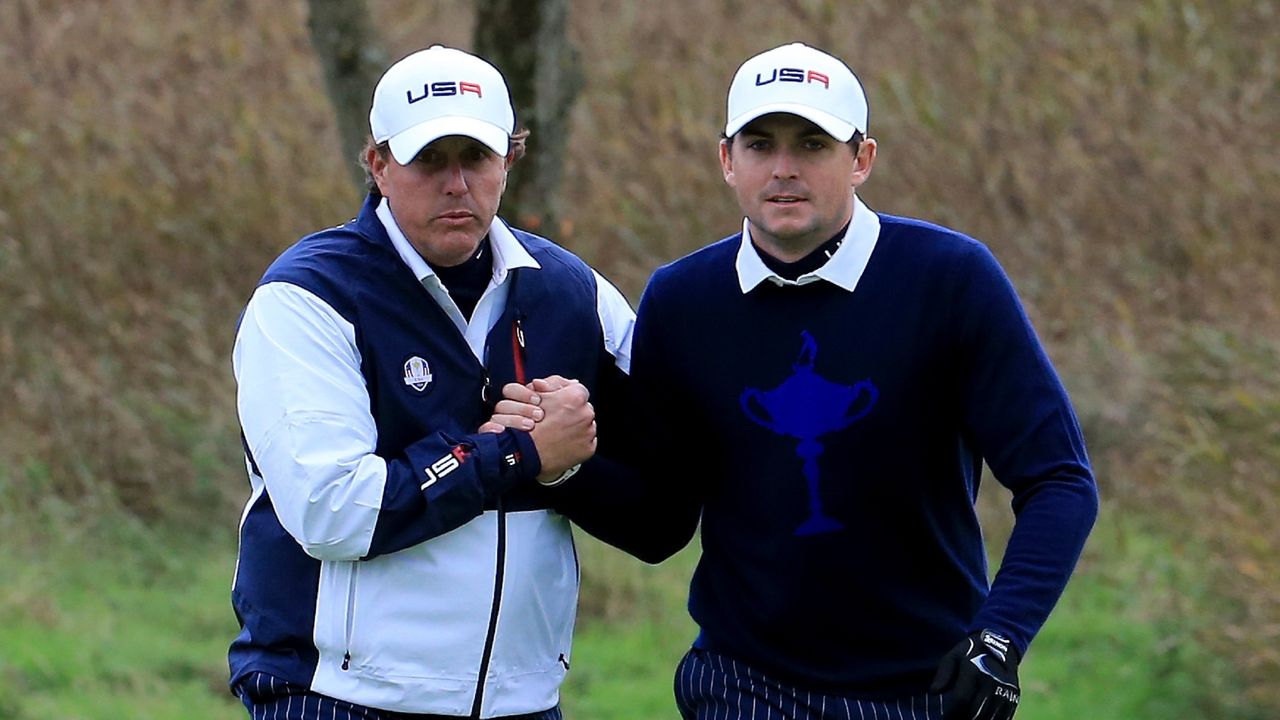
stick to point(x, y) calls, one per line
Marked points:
point(520, 454)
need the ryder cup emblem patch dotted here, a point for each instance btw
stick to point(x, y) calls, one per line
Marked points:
point(417, 373)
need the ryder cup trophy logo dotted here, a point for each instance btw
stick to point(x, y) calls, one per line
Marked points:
point(807, 406)
point(417, 373)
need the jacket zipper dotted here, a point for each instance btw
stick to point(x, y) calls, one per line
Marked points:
point(351, 616)
point(493, 615)
point(517, 353)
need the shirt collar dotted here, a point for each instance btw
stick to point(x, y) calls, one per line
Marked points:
point(508, 253)
point(844, 269)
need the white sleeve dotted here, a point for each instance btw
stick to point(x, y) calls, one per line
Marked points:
point(304, 409)
point(617, 319)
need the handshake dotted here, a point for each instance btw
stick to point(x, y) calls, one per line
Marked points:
point(557, 414)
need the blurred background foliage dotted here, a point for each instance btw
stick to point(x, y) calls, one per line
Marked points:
point(1122, 159)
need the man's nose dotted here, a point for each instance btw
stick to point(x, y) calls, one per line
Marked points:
point(456, 179)
point(784, 164)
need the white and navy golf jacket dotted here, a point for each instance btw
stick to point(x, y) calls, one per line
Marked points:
point(390, 555)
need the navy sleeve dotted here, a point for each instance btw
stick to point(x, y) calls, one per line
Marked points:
point(1019, 418)
point(441, 483)
point(640, 492)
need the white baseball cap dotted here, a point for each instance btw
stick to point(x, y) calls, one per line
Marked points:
point(799, 80)
point(437, 92)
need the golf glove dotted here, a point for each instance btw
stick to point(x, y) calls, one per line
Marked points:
point(978, 679)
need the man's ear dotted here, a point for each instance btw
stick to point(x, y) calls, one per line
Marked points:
point(377, 166)
point(726, 161)
point(862, 164)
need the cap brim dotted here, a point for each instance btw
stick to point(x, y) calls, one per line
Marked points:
point(406, 145)
point(833, 126)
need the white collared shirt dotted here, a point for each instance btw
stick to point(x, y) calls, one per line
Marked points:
point(508, 254)
point(843, 269)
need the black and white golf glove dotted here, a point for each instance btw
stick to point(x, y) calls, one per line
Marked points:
point(978, 679)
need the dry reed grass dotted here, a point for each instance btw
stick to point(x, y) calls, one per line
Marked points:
point(1121, 158)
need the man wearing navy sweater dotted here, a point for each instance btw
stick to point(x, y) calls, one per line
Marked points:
point(399, 555)
point(837, 377)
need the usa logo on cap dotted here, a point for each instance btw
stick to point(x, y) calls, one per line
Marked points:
point(798, 80)
point(437, 92)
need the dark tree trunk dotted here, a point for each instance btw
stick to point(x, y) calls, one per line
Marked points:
point(352, 60)
point(528, 41)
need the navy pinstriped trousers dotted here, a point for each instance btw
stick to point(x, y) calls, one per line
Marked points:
point(269, 698)
point(710, 686)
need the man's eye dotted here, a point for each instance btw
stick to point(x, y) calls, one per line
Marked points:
point(758, 145)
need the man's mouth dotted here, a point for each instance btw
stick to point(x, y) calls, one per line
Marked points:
point(455, 215)
point(784, 199)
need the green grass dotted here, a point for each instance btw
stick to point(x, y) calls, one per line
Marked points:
point(118, 621)
point(115, 622)
point(1122, 642)
point(634, 631)
point(625, 672)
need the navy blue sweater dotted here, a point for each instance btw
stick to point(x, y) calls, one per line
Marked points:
point(833, 442)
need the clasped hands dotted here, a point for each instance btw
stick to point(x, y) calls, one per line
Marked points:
point(557, 413)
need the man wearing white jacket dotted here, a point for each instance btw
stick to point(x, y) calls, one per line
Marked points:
point(396, 561)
